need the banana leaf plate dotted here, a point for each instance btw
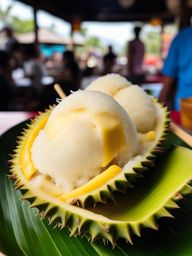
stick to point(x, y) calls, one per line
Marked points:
point(22, 232)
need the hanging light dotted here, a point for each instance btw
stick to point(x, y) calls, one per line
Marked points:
point(126, 3)
point(76, 24)
point(174, 6)
point(155, 21)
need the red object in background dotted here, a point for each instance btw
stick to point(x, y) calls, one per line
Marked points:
point(151, 79)
point(175, 117)
point(9, 119)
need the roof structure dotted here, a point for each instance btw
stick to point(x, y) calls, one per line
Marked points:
point(104, 10)
point(47, 37)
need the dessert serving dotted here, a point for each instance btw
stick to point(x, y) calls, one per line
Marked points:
point(85, 135)
point(142, 108)
point(75, 159)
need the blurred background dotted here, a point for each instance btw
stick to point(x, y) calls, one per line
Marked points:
point(73, 42)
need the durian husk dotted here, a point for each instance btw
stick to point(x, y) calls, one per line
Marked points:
point(127, 177)
point(139, 209)
point(120, 182)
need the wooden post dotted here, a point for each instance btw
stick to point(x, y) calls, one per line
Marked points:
point(71, 46)
point(75, 27)
point(35, 27)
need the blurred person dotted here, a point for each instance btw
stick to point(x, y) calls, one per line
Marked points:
point(6, 93)
point(11, 41)
point(16, 62)
point(177, 70)
point(33, 67)
point(109, 61)
point(110, 54)
point(71, 68)
point(17, 56)
point(135, 56)
point(54, 63)
point(69, 78)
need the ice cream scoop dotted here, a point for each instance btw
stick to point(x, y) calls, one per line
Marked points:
point(138, 104)
point(84, 133)
point(140, 107)
point(109, 84)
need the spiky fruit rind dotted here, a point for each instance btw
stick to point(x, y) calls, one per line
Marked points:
point(125, 180)
point(107, 226)
point(122, 181)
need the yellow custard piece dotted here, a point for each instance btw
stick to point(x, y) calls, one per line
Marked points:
point(25, 158)
point(113, 137)
point(94, 183)
point(110, 129)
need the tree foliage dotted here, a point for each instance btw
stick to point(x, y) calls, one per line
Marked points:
point(5, 16)
point(93, 41)
point(152, 42)
point(22, 26)
point(19, 25)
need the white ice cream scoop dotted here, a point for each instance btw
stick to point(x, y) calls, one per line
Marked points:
point(84, 133)
point(109, 84)
point(139, 106)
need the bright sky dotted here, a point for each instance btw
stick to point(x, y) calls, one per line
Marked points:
point(111, 33)
point(44, 19)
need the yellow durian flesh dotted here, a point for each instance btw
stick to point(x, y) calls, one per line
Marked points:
point(110, 129)
point(44, 183)
point(132, 98)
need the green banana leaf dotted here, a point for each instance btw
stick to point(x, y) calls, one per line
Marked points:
point(23, 233)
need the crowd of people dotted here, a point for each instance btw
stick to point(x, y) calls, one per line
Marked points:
point(66, 70)
point(18, 62)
